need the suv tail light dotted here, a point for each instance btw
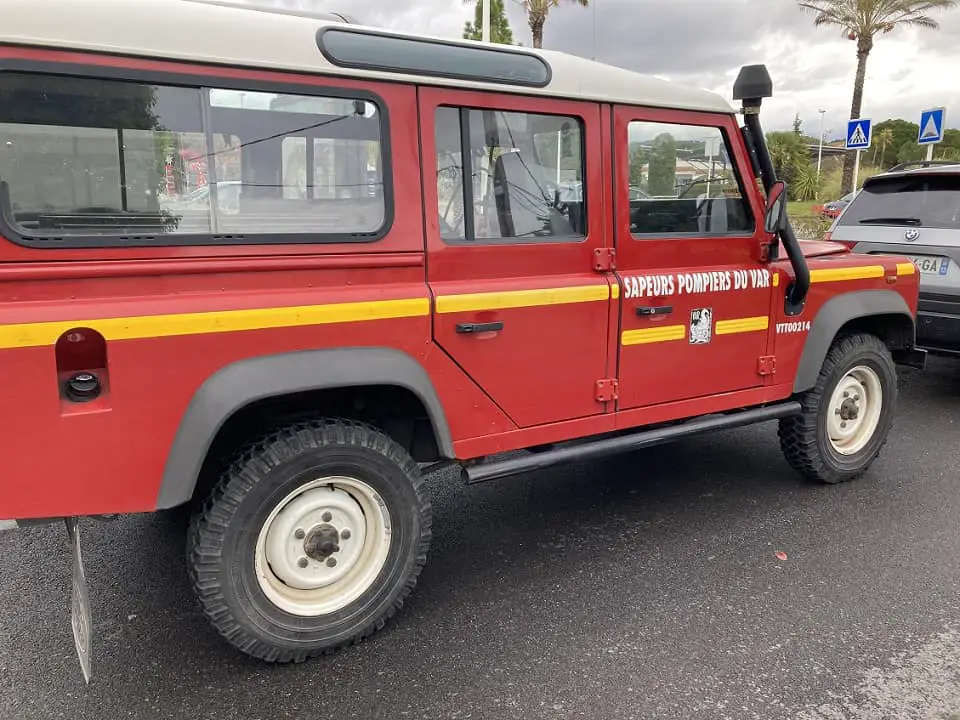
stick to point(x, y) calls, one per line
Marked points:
point(849, 244)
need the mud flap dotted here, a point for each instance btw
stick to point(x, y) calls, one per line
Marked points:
point(80, 615)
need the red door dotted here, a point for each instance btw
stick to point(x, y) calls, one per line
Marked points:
point(696, 298)
point(514, 212)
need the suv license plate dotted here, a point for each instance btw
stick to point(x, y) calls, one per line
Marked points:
point(931, 264)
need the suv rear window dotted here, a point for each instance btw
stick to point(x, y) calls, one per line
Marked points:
point(930, 200)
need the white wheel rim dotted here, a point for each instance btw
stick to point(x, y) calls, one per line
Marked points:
point(323, 546)
point(854, 410)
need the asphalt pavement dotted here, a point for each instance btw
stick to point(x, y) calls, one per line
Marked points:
point(643, 586)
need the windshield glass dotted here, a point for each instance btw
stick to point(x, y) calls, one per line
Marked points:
point(921, 200)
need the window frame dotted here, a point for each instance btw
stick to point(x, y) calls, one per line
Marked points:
point(747, 233)
point(203, 83)
point(463, 112)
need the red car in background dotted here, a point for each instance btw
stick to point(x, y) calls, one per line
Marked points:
point(833, 208)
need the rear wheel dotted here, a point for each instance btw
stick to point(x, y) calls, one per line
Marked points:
point(847, 416)
point(311, 541)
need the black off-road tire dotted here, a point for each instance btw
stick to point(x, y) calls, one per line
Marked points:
point(804, 438)
point(223, 534)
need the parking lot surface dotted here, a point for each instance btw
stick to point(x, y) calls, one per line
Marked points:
point(643, 586)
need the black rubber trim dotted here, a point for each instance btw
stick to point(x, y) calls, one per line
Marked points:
point(242, 383)
point(834, 314)
point(939, 303)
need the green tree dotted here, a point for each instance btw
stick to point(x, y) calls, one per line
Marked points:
point(789, 154)
point(863, 21)
point(638, 158)
point(662, 171)
point(910, 151)
point(806, 185)
point(537, 12)
point(902, 132)
point(500, 31)
point(949, 149)
point(882, 142)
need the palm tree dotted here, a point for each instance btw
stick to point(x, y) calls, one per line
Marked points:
point(537, 11)
point(863, 20)
point(882, 142)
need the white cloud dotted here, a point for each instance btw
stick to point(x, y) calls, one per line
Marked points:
point(704, 42)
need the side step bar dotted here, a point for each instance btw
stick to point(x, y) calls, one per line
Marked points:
point(482, 472)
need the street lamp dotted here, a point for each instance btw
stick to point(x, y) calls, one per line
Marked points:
point(820, 150)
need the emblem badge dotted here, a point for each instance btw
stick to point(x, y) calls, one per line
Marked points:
point(701, 326)
point(911, 234)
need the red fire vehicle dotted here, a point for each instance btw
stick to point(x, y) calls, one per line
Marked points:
point(409, 253)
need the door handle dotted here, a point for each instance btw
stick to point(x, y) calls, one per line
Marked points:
point(655, 310)
point(470, 328)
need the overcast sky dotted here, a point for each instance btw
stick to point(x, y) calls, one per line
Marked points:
point(704, 42)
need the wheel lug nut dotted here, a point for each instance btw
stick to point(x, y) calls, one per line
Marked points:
point(843, 424)
point(302, 562)
point(837, 411)
point(331, 562)
point(856, 398)
point(299, 534)
point(345, 534)
point(326, 517)
point(846, 394)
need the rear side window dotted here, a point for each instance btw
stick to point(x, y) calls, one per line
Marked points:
point(931, 200)
point(99, 162)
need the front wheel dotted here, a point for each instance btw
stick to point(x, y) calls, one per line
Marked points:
point(846, 417)
point(311, 541)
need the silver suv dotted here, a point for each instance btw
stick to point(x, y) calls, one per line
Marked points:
point(914, 209)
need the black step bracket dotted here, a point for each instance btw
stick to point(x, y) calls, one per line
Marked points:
point(494, 470)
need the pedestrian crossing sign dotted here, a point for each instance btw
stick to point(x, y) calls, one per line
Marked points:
point(859, 134)
point(931, 126)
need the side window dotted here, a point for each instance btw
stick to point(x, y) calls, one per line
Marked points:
point(509, 176)
point(684, 182)
point(116, 162)
point(80, 156)
point(303, 164)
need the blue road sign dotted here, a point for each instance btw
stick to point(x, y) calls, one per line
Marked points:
point(859, 133)
point(931, 126)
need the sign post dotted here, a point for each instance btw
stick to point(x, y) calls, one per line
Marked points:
point(859, 136)
point(931, 129)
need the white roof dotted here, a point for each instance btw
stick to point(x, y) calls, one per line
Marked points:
point(246, 36)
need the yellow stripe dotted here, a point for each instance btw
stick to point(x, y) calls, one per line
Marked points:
point(776, 279)
point(866, 272)
point(615, 291)
point(653, 335)
point(521, 298)
point(742, 325)
point(149, 326)
point(907, 268)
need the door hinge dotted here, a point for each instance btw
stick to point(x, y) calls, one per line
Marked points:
point(764, 253)
point(767, 365)
point(608, 390)
point(604, 259)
